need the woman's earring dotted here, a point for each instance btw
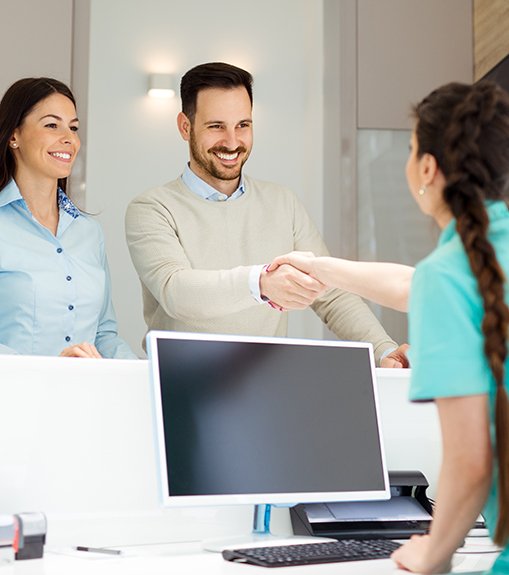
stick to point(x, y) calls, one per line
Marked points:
point(14, 145)
point(422, 190)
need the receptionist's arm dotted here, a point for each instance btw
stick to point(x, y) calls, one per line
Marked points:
point(463, 486)
point(387, 284)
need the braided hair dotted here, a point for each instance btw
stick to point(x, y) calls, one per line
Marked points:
point(466, 129)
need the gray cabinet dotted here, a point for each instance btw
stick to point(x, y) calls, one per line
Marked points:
point(36, 40)
point(406, 48)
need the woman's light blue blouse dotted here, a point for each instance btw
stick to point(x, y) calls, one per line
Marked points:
point(446, 339)
point(54, 290)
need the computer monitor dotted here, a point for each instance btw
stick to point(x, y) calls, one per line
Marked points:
point(257, 420)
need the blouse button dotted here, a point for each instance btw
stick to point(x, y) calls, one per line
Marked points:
point(67, 338)
point(70, 307)
point(68, 278)
point(59, 250)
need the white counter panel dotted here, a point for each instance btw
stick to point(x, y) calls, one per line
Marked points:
point(76, 442)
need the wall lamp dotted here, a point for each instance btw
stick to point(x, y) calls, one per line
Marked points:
point(161, 86)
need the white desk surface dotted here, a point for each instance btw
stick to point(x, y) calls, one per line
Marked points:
point(187, 559)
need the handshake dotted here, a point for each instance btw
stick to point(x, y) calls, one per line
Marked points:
point(290, 283)
point(293, 281)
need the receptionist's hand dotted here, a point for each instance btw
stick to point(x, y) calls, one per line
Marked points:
point(397, 358)
point(415, 556)
point(84, 349)
point(303, 261)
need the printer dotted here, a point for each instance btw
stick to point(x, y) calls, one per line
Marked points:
point(406, 513)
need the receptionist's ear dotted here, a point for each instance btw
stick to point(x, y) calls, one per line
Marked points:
point(428, 168)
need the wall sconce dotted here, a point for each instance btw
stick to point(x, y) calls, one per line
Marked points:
point(161, 86)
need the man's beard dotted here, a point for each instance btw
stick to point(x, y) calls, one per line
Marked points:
point(208, 165)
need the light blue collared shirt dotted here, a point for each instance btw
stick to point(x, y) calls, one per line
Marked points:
point(207, 192)
point(54, 289)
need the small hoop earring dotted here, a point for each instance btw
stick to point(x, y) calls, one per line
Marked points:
point(422, 190)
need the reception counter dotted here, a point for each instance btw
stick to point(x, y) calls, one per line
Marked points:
point(76, 442)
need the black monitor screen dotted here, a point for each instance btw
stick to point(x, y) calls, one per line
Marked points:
point(263, 416)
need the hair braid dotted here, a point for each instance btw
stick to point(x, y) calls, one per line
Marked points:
point(469, 183)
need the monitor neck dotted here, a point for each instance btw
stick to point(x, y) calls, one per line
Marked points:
point(261, 519)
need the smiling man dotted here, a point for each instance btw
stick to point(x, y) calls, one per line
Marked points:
point(200, 243)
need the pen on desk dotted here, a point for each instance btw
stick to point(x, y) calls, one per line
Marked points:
point(99, 550)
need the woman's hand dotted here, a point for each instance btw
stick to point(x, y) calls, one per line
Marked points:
point(303, 261)
point(84, 349)
point(415, 556)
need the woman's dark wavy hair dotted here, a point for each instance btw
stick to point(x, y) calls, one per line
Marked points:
point(17, 102)
point(466, 128)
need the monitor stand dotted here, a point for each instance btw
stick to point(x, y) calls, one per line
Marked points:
point(259, 536)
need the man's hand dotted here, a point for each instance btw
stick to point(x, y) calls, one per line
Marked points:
point(84, 349)
point(289, 288)
point(397, 358)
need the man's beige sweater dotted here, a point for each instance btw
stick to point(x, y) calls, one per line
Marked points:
point(193, 257)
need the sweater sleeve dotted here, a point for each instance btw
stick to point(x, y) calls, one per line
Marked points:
point(184, 293)
point(344, 313)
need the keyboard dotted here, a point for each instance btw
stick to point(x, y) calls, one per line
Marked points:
point(311, 553)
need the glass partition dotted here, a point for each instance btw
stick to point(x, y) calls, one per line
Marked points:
point(390, 225)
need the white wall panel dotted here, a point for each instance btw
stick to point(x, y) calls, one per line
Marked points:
point(132, 141)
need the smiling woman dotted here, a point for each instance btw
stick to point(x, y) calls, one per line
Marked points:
point(54, 280)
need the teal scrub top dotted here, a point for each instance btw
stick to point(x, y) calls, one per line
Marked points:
point(446, 339)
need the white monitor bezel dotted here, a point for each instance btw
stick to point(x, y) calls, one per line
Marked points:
point(282, 499)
